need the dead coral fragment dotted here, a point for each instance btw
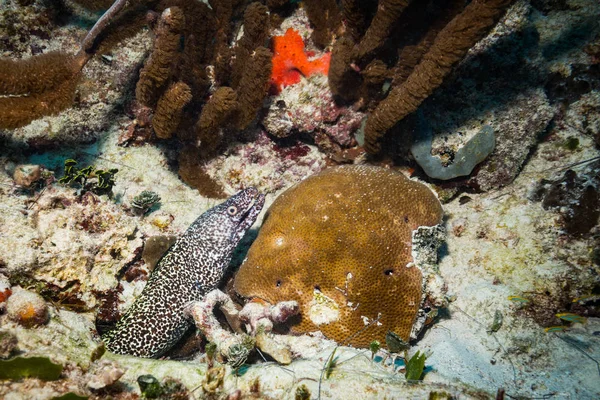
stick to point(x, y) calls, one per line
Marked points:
point(235, 347)
point(339, 243)
point(26, 175)
point(27, 308)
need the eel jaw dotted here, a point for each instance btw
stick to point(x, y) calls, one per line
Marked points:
point(251, 214)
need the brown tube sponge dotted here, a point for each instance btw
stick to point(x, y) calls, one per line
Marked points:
point(449, 47)
point(410, 56)
point(374, 75)
point(18, 111)
point(158, 68)
point(192, 172)
point(216, 112)
point(324, 16)
point(36, 74)
point(256, 32)
point(344, 81)
point(169, 109)
point(388, 12)
point(223, 10)
point(355, 17)
point(254, 86)
point(37, 86)
point(201, 23)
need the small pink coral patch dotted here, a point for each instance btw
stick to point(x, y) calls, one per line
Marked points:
point(290, 60)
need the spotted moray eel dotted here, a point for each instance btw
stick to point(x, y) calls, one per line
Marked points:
point(193, 266)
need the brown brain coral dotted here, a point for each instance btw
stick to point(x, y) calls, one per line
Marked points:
point(339, 243)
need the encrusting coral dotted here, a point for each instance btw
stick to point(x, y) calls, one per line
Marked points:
point(339, 243)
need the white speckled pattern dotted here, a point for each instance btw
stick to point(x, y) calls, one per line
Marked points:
point(193, 266)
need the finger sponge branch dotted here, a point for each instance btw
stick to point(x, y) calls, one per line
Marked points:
point(449, 47)
point(170, 108)
point(158, 67)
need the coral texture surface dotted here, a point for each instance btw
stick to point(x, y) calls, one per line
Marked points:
point(318, 246)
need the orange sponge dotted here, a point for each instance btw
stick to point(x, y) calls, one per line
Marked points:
point(290, 60)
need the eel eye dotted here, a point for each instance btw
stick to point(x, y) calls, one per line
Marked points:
point(232, 210)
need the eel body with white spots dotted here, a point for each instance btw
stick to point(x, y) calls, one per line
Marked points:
point(192, 267)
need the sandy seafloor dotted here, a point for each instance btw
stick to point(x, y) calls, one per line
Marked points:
point(499, 244)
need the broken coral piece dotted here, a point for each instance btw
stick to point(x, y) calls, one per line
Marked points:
point(260, 315)
point(27, 308)
point(291, 61)
point(229, 344)
point(339, 243)
point(465, 159)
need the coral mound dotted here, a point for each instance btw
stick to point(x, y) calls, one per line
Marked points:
point(290, 61)
point(339, 243)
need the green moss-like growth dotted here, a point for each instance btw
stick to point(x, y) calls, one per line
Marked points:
point(572, 143)
point(302, 393)
point(70, 396)
point(170, 388)
point(374, 347)
point(415, 367)
point(99, 181)
point(149, 386)
point(440, 395)
point(30, 367)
